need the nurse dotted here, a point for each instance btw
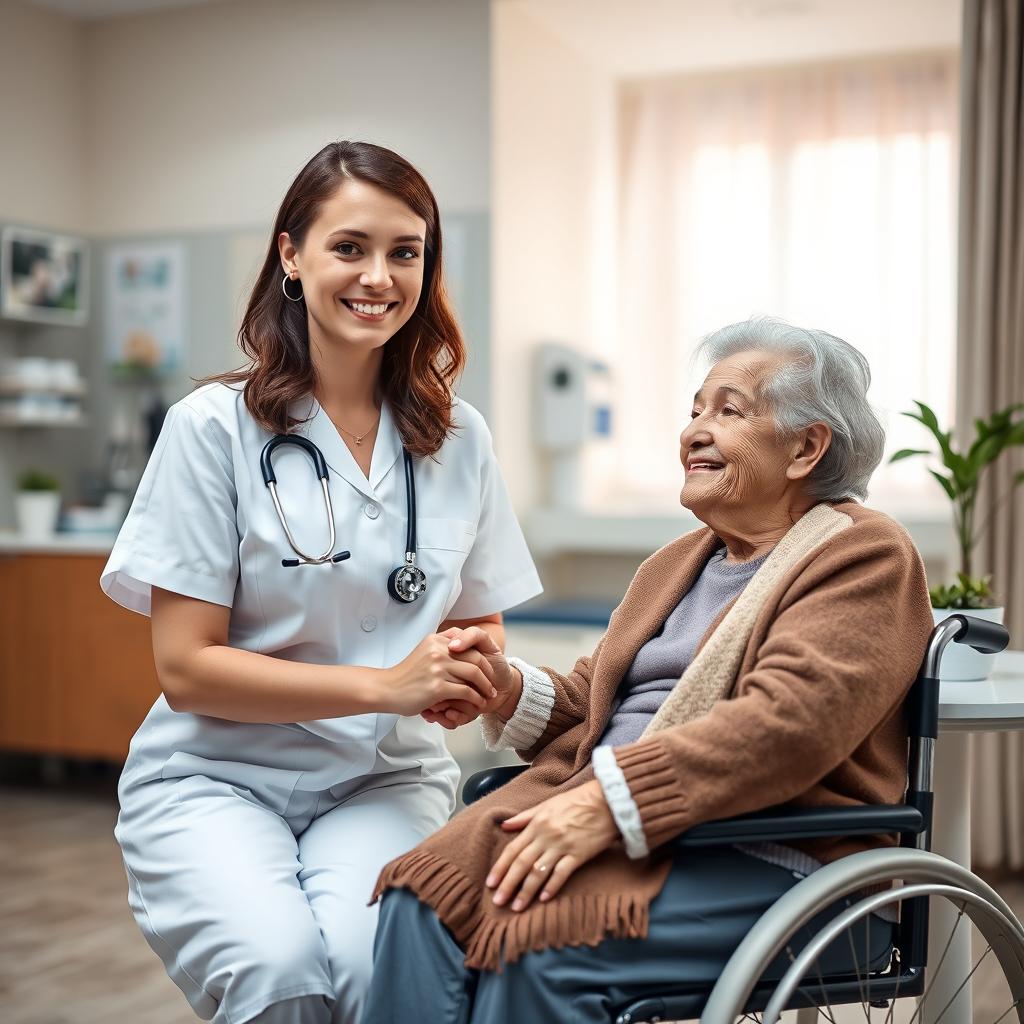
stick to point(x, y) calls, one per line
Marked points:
point(292, 753)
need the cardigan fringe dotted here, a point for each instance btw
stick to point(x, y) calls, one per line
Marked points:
point(583, 919)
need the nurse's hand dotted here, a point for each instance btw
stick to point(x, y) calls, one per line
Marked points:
point(555, 838)
point(470, 643)
point(432, 675)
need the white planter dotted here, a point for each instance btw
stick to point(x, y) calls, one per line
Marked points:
point(37, 513)
point(961, 663)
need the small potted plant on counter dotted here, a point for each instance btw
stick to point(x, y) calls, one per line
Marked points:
point(37, 504)
point(969, 594)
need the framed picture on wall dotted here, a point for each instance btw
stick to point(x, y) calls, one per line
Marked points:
point(43, 277)
point(145, 306)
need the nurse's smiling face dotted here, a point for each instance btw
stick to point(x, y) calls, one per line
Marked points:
point(360, 266)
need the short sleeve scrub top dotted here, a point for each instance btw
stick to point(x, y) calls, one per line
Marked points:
point(203, 524)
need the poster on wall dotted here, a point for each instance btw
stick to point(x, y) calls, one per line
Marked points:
point(146, 307)
point(43, 277)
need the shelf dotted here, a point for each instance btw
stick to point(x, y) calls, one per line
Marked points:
point(62, 390)
point(555, 531)
point(7, 420)
point(13, 543)
point(552, 531)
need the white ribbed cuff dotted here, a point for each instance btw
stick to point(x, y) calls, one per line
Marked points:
point(620, 801)
point(531, 716)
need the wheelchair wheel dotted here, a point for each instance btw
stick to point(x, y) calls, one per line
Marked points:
point(873, 990)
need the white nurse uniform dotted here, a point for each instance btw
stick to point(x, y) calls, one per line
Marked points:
point(251, 850)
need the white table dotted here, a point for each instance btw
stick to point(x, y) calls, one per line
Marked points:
point(964, 708)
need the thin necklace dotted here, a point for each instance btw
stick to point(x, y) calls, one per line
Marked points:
point(358, 437)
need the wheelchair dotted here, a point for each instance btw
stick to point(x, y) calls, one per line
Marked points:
point(747, 989)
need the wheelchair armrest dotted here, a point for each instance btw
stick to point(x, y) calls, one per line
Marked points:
point(804, 823)
point(482, 783)
point(775, 823)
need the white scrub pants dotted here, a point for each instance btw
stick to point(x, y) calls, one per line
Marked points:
point(263, 917)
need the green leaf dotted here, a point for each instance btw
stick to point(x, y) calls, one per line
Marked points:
point(37, 480)
point(947, 485)
point(952, 460)
point(934, 430)
point(986, 452)
point(905, 453)
point(965, 594)
point(962, 472)
point(928, 418)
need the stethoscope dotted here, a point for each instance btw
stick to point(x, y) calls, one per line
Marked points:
point(408, 582)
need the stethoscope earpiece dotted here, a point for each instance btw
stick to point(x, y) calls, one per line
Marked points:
point(408, 582)
point(291, 563)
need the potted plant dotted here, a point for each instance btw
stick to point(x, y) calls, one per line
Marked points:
point(37, 504)
point(969, 594)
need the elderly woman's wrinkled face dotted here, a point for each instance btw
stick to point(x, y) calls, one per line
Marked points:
point(730, 449)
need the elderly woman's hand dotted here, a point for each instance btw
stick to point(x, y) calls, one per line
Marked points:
point(555, 838)
point(477, 646)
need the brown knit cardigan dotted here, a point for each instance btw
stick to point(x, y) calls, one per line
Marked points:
point(812, 718)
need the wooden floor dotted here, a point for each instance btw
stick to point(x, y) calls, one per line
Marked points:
point(69, 950)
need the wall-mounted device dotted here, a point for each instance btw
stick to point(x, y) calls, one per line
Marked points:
point(571, 406)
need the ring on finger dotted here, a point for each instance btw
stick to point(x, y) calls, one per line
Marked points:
point(541, 867)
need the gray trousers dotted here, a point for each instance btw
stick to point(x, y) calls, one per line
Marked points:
point(709, 902)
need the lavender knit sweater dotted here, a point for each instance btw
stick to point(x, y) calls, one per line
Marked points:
point(663, 659)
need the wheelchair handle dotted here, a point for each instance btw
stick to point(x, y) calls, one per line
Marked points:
point(984, 636)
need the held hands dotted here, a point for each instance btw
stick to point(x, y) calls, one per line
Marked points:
point(555, 838)
point(474, 643)
point(432, 675)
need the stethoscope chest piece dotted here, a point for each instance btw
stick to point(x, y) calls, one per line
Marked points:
point(408, 582)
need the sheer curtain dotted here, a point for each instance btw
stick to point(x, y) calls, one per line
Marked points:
point(991, 364)
point(822, 194)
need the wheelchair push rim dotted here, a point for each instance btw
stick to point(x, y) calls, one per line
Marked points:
point(803, 988)
point(1002, 936)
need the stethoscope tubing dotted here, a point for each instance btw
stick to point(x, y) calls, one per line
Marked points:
point(410, 504)
point(320, 465)
point(270, 479)
point(329, 555)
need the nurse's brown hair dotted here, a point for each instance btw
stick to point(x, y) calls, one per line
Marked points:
point(421, 362)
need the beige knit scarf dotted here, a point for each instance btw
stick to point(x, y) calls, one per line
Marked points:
point(711, 675)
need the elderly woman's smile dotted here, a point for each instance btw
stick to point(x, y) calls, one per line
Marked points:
point(745, 476)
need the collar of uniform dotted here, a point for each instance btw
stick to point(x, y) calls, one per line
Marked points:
point(322, 432)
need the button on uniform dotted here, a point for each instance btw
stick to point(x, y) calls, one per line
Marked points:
point(369, 624)
point(371, 510)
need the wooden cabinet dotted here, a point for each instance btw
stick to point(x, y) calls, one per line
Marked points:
point(76, 670)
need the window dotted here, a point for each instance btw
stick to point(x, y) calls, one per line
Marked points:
point(825, 195)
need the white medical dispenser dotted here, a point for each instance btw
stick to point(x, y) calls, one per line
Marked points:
point(571, 405)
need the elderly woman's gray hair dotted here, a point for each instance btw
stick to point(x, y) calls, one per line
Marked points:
point(822, 380)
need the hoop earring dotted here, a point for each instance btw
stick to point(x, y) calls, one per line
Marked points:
point(284, 288)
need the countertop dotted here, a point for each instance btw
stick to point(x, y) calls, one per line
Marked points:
point(12, 543)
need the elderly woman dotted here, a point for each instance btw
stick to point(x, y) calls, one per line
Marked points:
point(760, 660)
